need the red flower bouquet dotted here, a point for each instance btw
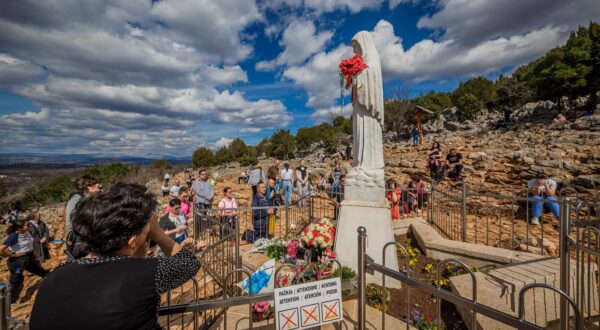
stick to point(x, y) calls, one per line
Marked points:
point(351, 67)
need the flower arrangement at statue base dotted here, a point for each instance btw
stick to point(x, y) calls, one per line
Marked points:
point(318, 238)
point(308, 254)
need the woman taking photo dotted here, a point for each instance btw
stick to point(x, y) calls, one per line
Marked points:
point(18, 247)
point(174, 223)
point(113, 287)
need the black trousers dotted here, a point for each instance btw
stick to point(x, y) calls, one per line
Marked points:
point(16, 266)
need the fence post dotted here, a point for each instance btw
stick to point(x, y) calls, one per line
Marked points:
point(4, 305)
point(564, 225)
point(362, 235)
point(287, 218)
point(464, 212)
point(430, 215)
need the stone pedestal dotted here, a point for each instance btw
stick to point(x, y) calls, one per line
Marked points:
point(365, 205)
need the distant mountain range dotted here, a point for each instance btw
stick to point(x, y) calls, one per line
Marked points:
point(35, 160)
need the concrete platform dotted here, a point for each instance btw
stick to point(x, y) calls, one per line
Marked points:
point(437, 247)
point(499, 289)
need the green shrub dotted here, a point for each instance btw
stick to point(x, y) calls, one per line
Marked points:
point(377, 297)
point(160, 164)
point(345, 272)
point(56, 190)
point(203, 157)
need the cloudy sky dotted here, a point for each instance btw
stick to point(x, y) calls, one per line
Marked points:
point(153, 78)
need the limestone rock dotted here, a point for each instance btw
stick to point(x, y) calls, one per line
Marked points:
point(588, 181)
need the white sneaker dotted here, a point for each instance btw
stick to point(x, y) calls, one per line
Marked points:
point(535, 221)
point(419, 211)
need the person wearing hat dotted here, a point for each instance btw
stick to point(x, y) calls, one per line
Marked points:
point(287, 176)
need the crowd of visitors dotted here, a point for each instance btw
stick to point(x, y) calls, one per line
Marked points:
point(109, 235)
point(115, 286)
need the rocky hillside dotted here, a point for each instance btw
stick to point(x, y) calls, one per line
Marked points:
point(501, 160)
point(496, 160)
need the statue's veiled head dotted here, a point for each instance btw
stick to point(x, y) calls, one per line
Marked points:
point(356, 47)
point(363, 45)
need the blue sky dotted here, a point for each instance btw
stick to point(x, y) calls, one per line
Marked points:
point(161, 78)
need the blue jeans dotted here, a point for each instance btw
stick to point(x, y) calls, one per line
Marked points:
point(287, 191)
point(415, 140)
point(538, 206)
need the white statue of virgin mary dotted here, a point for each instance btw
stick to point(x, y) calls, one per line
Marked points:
point(367, 105)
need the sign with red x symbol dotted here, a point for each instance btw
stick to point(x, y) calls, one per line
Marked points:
point(310, 315)
point(308, 305)
point(331, 310)
point(288, 319)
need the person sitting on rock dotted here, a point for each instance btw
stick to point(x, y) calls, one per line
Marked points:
point(453, 167)
point(174, 191)
point(164, 189)
point(542, 190)
point(435, 162)
point(243, 178)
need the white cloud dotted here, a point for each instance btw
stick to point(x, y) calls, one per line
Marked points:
point(215, 76)
point(321, 6)
point(425, 60)
point(300, 40)
point(222, 142)
point(134, 75)
point(251, 130)
point(211, 27)
point(472, 22)
point(320, 76)
point(328, 114)
point(428, 59)
point(16, 71)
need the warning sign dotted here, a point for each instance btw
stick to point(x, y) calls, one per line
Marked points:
point(308, 305)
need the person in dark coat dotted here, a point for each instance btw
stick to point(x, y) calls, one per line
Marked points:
point(39, 231)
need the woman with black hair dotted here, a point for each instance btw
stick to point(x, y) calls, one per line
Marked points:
point(114, 286)
point(174, 223)
point(18, 247)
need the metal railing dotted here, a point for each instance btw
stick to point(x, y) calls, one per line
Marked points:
point(223, 229)
point(229, 299)
point(464, 214)
point(366, 264)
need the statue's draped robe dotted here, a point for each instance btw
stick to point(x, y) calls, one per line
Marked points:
point(367, 104)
